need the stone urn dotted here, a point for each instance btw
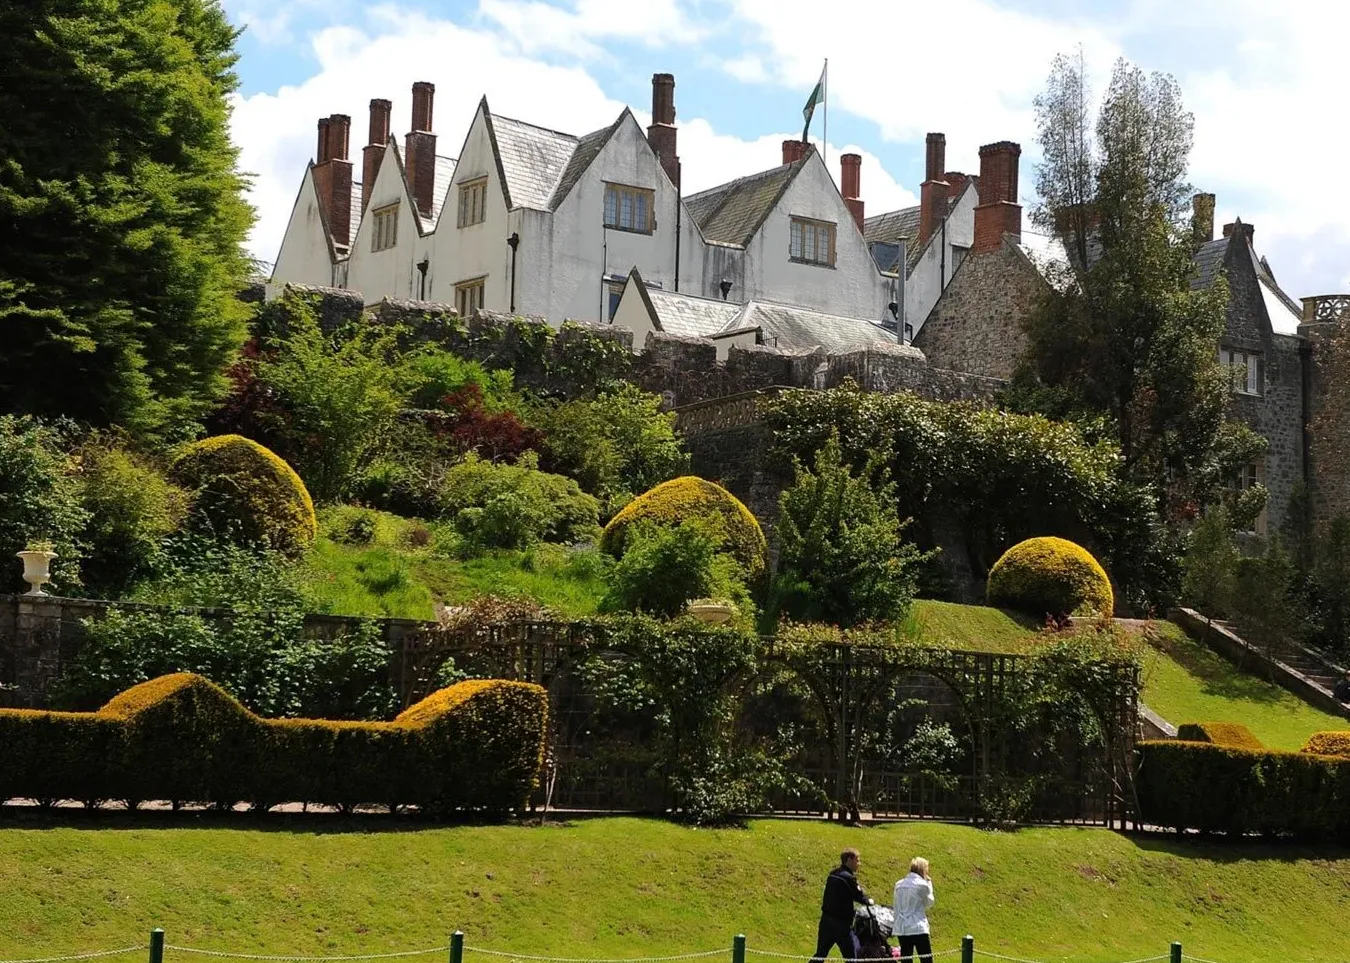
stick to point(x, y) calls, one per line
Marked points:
point(711, 611)
point(37, 565)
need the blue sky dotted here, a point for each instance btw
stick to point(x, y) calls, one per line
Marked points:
point(1270, 138)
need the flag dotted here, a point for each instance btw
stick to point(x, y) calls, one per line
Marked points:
point(817, 97)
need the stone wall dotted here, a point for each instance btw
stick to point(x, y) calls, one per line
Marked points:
point(1324, 317)
point(976, 326)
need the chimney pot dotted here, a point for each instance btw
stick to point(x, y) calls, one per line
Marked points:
point(339, 135)
point(321, 152)
point(850, 170)
point(793, 151)
point(380, 112)
point(422, 95)
point(998, 212)
point(937, 157)
point(934, 190)
point(419, 160)
point(663, 98)
point(373, 153)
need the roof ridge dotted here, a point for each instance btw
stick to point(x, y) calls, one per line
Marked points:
point(526, 123)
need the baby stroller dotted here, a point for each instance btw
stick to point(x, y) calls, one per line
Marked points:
point(872, 926)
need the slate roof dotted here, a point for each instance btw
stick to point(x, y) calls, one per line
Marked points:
point(445, 173)
point(587, 149)
point(883, 232)
point(690, 317)
point(533, 160)
point(732, 213)
point(1209, 262)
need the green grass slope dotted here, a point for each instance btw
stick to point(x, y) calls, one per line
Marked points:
point(1186, 681)
point(630, 887)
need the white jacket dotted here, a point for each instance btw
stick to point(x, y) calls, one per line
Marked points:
point(913, 896)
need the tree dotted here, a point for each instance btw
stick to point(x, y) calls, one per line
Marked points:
point(1209, 579)
point(1124, 334)
point(122, 218)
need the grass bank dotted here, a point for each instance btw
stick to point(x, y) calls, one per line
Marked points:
point(632, 887)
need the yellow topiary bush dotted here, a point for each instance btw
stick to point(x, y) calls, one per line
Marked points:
point(1329, 744)
point(689, 497)
point(241, 489)
point(1230, 735)
point(1050, 576)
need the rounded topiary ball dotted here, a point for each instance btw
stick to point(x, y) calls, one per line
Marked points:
point(672, 502)
point(1050, 576)
point(245, 491)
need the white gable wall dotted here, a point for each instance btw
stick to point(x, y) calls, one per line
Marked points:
point(939, 261)
point(305, 256)
point(391, 272)
point(480, 250)
point(853, 288)
point(632, 314)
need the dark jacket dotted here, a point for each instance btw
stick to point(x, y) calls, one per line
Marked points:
point(1342, 691)
point(841, 892)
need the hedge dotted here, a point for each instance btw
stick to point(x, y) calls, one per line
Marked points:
point(1232, 735)
point(1214, 788)
point(1050, 576)
point(1329, 744)
point(475, 746)
point(242, 489)
point(692, 497)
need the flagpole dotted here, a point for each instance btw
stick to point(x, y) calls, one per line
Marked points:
point(825, 121)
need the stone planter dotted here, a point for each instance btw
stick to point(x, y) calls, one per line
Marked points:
point(37, 570)
point(714, 613)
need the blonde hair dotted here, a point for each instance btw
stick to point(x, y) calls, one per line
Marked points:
point(919, 865)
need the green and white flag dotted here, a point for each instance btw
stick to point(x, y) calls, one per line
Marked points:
point(817, 97)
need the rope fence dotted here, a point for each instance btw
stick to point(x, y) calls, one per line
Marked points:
point(456, 950)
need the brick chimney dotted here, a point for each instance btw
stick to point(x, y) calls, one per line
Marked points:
point(793, 151)
point(373, 152)
point(933, 191)
point(419, 148)
point(956, 183)
point(333, 175)
point(850, 179)
point(998, 212)
point(1237, 227)
point(1202, 218)
point(661, 134)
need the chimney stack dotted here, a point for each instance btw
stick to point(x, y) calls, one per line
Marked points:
point(850, 176)
point(1202, 218)
point(373, 152)
point(661, 135)
point(793, 151)
point(956, 183)
point(333, 176)
point(1237, 227)
point(998, 212)
point(933, 191)
point(419, 160)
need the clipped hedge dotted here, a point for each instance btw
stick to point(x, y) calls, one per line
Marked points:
point(1232, 735)
point(688, 497)
point(1329, 744)
point(244, 490)
point(476, 746)
point(1050, 576)
point(1214, 788)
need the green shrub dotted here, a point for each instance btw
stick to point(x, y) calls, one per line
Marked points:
point(1233, 735)
point(132, 508)
point(199, 571)
point(1213, 788)
point(476, 746)
point(841, 559)
point(429, 374)
point(351, 526)
point(1209, 569)
point(667, 566)
point(515, 506)
point(243, 491)
point(1329, 744)
point(1050, 576)
point(687, 498)
point(39, 501)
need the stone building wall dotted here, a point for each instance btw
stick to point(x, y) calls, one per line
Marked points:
point(976, 327)
point(1324, 317)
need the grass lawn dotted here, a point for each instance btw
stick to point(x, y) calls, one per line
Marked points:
point(975, 627)
point(633, 887)
point(1186, 681)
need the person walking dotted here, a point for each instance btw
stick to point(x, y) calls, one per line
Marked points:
point(836, 909)
point(913, 897)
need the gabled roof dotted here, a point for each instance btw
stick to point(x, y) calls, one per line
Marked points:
point(445, 173)
point(883, 232)
point(587, 150)
point(687, 316)
point(1209, 262)
point(531, 160)
point(733, 213)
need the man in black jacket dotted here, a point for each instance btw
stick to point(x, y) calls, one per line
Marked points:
point(836, 909)
point(1342, 691)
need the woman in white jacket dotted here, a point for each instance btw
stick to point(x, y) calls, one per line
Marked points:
point(913, 896)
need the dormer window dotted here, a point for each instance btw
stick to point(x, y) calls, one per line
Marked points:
point(812, 242)
point(385, 233)
point(629, 209)
point(472, 202)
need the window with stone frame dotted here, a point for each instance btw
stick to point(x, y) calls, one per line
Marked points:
point(472, 202)
point(812, 242)
point(384, 233)
point(469, 296)
point(1245, 370)
point(630, 209)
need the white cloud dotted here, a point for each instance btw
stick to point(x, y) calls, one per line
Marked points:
point(537, 26)
point(276, 131)
point(750, 70)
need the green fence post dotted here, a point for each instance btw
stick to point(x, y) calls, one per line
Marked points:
point(457, 947)
point(157, 945)
point(967, 949)
point(1176, 952)
point(738, 949)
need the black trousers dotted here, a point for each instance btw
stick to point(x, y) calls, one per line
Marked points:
point(918, 943)
point(831, 934)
